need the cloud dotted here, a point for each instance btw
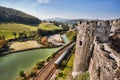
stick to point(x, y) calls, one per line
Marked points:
point(43, 1)
point(40, 2)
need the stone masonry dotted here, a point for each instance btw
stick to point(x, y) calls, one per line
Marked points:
point(94, 51)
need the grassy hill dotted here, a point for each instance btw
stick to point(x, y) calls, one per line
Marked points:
point(7, 29)
point(16, 16)
point(48, 26)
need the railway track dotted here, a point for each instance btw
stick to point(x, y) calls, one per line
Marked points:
point(48, 70)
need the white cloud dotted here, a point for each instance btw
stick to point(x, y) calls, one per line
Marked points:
point(43, 1)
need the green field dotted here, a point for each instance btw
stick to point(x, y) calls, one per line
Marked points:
point(48, 26)
point(7, 29)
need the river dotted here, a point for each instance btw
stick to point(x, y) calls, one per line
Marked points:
point(11, 64)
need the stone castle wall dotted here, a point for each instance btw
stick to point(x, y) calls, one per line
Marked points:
point(94, 52)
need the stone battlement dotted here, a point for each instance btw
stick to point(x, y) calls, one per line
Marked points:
point(93, 51)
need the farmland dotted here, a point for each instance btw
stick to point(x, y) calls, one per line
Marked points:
point(48, 26)
point(7, 29)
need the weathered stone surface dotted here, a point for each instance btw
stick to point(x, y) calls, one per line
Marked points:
point(85, 38)
point(103, 31)
point(104, 63)
point(94, 50)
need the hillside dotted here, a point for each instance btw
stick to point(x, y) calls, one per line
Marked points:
point(48, 26)
point(12, 15)
point(7, 29)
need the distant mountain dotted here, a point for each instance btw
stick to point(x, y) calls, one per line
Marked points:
point(57, 19)
point(72, 21)
point(16, 16)
point(68, 21)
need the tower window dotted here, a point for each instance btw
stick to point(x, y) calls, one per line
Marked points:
point(81, 43)
point(97, 38)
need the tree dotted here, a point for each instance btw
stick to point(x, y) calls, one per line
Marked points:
point(21, 73)
point(14, 34)
point(44, 40)
point(24, 36)
point(2, 37)
point(3, 45)
point(32, 73)
point(20, 36)
point(40, 64)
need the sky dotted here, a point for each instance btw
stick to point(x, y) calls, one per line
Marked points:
point(69, 9)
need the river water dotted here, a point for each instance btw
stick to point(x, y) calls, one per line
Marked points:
point(11, 64)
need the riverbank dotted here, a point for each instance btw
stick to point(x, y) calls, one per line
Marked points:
point(31, 45)
point(11, 52)
point(22, 46)
point(12, 64)
point(56, 39)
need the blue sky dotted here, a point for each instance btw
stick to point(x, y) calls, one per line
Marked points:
point(70, 9)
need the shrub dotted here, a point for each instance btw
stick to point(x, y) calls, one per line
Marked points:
point(50, 57)
point(44, 40)
point(40, 64)
point(32, 73)
point(21, 73)
point(61, 75)
point(64, 63)
point(83, 76)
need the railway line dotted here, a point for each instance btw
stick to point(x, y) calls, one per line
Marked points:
point(48, 70)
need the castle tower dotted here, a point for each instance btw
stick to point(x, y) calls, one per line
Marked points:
point(85, 37)
point(103, 31)
point(115, 26)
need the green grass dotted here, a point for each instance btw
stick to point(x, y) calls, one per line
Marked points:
point(69, 65)
point(67, 70)
point(7, 29)
point(48, 26)
point(83, 76)
point(71, 35)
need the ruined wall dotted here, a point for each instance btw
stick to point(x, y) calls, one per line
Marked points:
point(105, 63)
point(115, 25)
point(103, 31)
point(94, 52)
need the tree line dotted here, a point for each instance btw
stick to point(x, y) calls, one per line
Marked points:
point(48, 32)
